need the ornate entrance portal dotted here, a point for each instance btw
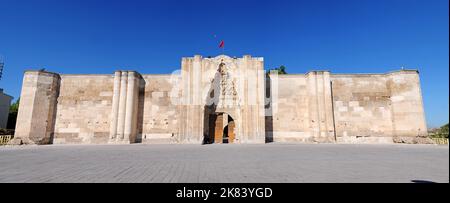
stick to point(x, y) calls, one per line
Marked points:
point(221, 100)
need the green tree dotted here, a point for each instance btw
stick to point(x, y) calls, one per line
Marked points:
point(12, 117)
point(280, 70)
point(442, 132)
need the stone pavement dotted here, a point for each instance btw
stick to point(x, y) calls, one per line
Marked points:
point(225, 163)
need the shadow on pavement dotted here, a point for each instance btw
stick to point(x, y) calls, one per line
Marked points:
point(422, 181)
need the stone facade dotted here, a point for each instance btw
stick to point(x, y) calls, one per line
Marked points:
point(84, 109)
point(37, 109)
point(220, 100)
point(5, 102)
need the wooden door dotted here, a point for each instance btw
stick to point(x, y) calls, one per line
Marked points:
point(218, 129)
point(211, 130)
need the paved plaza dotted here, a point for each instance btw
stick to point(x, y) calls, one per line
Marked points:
point(225, 163)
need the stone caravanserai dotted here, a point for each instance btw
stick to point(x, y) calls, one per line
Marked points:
point(220, 100)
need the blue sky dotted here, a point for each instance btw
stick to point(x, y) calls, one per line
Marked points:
point(343, 36)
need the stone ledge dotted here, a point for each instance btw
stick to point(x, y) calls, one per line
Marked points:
point(364, 140)
point(21, 141)
point(413, 140)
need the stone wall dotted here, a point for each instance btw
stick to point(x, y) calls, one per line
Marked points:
point(345, 108)
point(37, 109)
point(288, 118)
point(408, 116)
point(159, 114)
point(84, 109)
point(301, 108)
point(362, 108)
point(378, 108)
point(5, 103)
point(126, 107)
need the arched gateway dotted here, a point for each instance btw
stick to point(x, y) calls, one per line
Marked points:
point(222, 87)
point(222, 101)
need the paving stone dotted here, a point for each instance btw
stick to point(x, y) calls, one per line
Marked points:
point(225, 163)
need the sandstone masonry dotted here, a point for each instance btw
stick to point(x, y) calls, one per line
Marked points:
point(220, 100)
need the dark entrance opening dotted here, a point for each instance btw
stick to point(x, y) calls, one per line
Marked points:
point(225, 135)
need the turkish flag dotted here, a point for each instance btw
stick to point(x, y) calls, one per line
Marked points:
point(222, 44)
